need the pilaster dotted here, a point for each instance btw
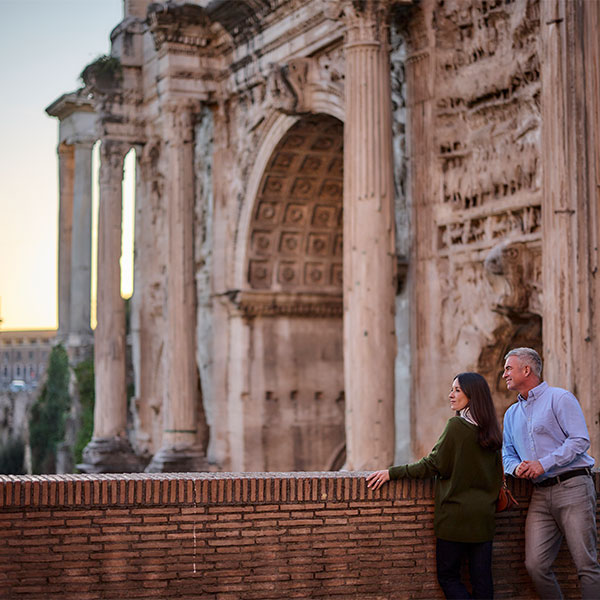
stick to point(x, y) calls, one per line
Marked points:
point(369, 252)
point(180, 449)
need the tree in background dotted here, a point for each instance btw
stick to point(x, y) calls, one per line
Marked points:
point(49, 413)
point(84, 376)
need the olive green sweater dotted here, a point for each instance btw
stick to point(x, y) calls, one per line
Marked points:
point(467, 482)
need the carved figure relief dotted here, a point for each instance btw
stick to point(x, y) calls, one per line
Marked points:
point(488, 127)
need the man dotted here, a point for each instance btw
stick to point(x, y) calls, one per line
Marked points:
point(546, 440)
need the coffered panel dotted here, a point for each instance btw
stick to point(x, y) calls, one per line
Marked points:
point(296, 237)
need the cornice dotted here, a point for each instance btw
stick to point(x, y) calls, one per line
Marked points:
point(268, 304)
point(184, 25)
point(70, 103)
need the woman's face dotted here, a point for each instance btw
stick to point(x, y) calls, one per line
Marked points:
point(458, 399)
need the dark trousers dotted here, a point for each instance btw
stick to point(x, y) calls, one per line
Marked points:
point(449, 556)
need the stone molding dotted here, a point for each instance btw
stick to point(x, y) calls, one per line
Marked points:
point(67, 104)
point(267, 304)
point(187, 25)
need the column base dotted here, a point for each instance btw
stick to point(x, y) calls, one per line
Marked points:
point(110, 455)
point(178, 460)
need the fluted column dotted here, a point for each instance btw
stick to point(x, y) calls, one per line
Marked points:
point(571, 200)
point(109, 449)
point(180, 450)
point(81, 244)
point(66, 171)
point(369, 254)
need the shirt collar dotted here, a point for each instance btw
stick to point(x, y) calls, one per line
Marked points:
point(535, 392)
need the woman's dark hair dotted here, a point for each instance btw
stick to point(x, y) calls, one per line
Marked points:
point(482, 408)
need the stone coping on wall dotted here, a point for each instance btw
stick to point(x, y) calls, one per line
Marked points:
point(121, 489)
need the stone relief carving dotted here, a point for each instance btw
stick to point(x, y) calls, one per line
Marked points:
point(520, 266)
point(488, 131)
point(398, 88)
point(482, 230)
point(291, 87)
point(476, 65)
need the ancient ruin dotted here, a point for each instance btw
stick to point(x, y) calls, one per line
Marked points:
point(340, 204)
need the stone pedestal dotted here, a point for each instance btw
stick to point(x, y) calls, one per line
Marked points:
point(180, 448)
point(369, 252)
point(110, 455)
point(109, 450)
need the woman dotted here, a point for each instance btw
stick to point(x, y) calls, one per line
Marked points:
point(467, 465)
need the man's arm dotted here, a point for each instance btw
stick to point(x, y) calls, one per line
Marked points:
point(570, 418)
point(510, 456)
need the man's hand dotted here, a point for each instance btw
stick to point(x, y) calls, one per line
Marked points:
point(377, 479)
point(529, 469)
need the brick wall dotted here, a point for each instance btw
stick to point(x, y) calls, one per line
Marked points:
point(233, 537)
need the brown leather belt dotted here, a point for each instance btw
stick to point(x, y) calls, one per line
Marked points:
point(563, 477)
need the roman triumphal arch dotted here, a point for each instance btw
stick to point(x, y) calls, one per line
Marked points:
point(339, 205)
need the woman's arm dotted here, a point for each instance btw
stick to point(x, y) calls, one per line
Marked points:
point(437, 462)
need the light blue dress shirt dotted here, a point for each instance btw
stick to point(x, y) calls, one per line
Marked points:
point(547, 426)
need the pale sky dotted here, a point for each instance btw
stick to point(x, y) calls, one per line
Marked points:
point(44, 45)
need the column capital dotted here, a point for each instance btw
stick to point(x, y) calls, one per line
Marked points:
point(366, 21)
point(179, 117)
point(86, 143)
point(113, 149)
point(112, 155)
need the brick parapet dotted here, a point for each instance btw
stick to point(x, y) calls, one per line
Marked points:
point(125, 489)
point(233, 536)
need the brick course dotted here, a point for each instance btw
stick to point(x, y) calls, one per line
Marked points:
point(264, 536)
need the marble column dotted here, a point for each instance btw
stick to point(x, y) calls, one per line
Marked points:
point(571, 200)
point(66, 171)
point(369, 250)
point(109, 449)
point(81, 245)
point(180, 449)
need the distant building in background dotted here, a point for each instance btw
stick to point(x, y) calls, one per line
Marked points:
point(24, 357)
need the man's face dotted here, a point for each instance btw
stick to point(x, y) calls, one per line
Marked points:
point(516, 374)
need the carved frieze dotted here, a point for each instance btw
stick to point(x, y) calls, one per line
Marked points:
point(487, 117)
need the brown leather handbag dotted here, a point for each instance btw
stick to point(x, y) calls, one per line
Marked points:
point(506, 500)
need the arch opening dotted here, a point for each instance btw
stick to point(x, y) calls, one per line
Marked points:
point(295, 242)
point(293, 274)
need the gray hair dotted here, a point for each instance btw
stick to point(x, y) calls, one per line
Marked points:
point(530, 357)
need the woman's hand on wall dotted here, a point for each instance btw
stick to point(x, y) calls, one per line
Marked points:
point(376, 479)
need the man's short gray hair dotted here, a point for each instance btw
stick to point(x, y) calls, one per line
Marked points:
point(530, 357)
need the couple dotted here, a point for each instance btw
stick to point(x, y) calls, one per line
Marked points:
point(546, 441)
